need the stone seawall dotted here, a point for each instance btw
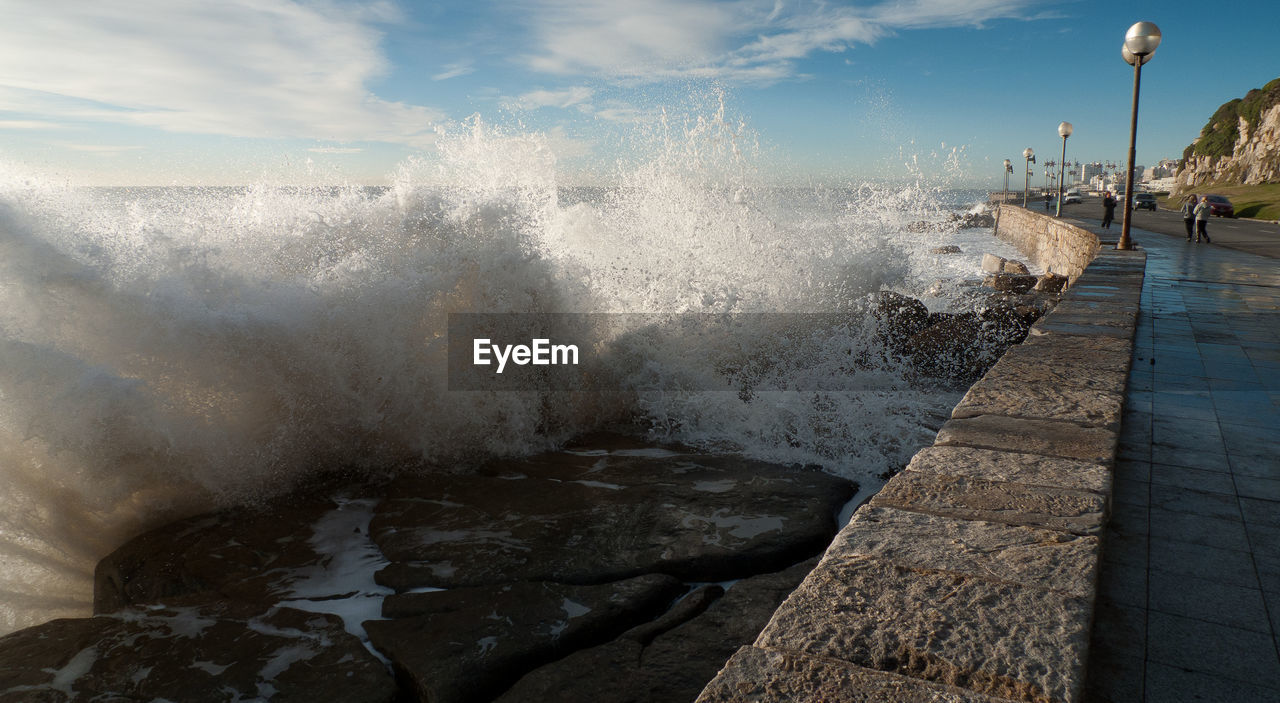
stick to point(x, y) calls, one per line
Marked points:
point(972, 575)
point(1055, 245)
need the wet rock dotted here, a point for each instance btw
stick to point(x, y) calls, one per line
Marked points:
point(1051, 283)
point(1010, 282)
point(469, 644)
point(598, 516)
point(899, 316)
point(962, 346)
point(1015, 267)
point(249, 554)
point(675, 665)
point(948, 249)
point(201, 652)
point(972, 220)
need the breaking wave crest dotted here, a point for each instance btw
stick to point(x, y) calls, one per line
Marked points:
point(164, 350)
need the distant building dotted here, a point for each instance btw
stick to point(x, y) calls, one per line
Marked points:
point(1164, 169)
point(1088, 171)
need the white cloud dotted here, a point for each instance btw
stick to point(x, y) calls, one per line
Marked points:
point(266, 68)
point(30, 124)
point(747, 40)
point(453, 70)
point(335, 149)
point(534, 99)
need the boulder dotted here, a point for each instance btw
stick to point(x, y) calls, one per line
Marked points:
point(971, 220)
point(671, 666)
point(962, 346)
point(192, 652)
point(948, 249)
point(1010, 282)
point(469, 644)
point(1051, 283)
point(993, 264)
point(599, 515)
point(1015, 267)
point(899, 317)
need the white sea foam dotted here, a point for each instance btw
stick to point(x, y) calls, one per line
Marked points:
point(167, 350)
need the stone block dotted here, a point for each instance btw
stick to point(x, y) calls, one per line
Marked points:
point(992, 637)
point(1088, 344)
point(1079, 512)
point(1046, 437)
point(1083, 324)
point(773, 676)
point(1013, 467)
point(1076, 351)
point(1091, 397)
point(1034, 557)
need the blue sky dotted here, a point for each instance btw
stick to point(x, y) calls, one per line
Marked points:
point(237, 91)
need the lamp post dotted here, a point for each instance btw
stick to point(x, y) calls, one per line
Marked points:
point(1008, 169)
point(1030, 156)
point(1140, 43)
point(1064, 131)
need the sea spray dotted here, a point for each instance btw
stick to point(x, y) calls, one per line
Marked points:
point(167, 350)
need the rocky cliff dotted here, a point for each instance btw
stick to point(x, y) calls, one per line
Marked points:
point(1239, 145)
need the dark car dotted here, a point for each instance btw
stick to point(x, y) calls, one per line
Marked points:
point(1221, 207)
point(1144, 200)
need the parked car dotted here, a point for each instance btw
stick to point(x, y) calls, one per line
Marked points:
point(1221, 206)
point(1144, 201)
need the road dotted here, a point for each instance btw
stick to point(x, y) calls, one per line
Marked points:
point(1253, 236)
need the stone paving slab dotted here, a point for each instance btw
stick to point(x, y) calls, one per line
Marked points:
point(1030, 556)
point(993, 637)
point(773, 676)
point(1046, 437)
point(1079, 512)
point(1185, 612)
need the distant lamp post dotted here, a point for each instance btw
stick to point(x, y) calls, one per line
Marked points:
point(1140, 43)
point(1064, 131)
point(1008, 169)
point(1030, 156)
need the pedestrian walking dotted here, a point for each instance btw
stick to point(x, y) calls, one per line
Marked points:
point(1203, 211)
point(1047, 198)
point(1189, 215)
point(1108, 209)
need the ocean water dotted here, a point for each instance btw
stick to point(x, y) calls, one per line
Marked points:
point(168, 350)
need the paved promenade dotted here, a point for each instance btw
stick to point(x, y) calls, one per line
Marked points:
point(1189, 608)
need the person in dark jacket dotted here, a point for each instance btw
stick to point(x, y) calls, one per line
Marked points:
point(1108, 209)
point(1189, 215)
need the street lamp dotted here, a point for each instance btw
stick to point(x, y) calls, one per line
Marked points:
point(1008, 169)
point(1030, 156)
point(1064, 131)
point(1140, 43)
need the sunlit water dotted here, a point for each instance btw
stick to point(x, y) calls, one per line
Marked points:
point(165, 350)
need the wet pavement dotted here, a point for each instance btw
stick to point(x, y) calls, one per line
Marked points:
point(1189, 604)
